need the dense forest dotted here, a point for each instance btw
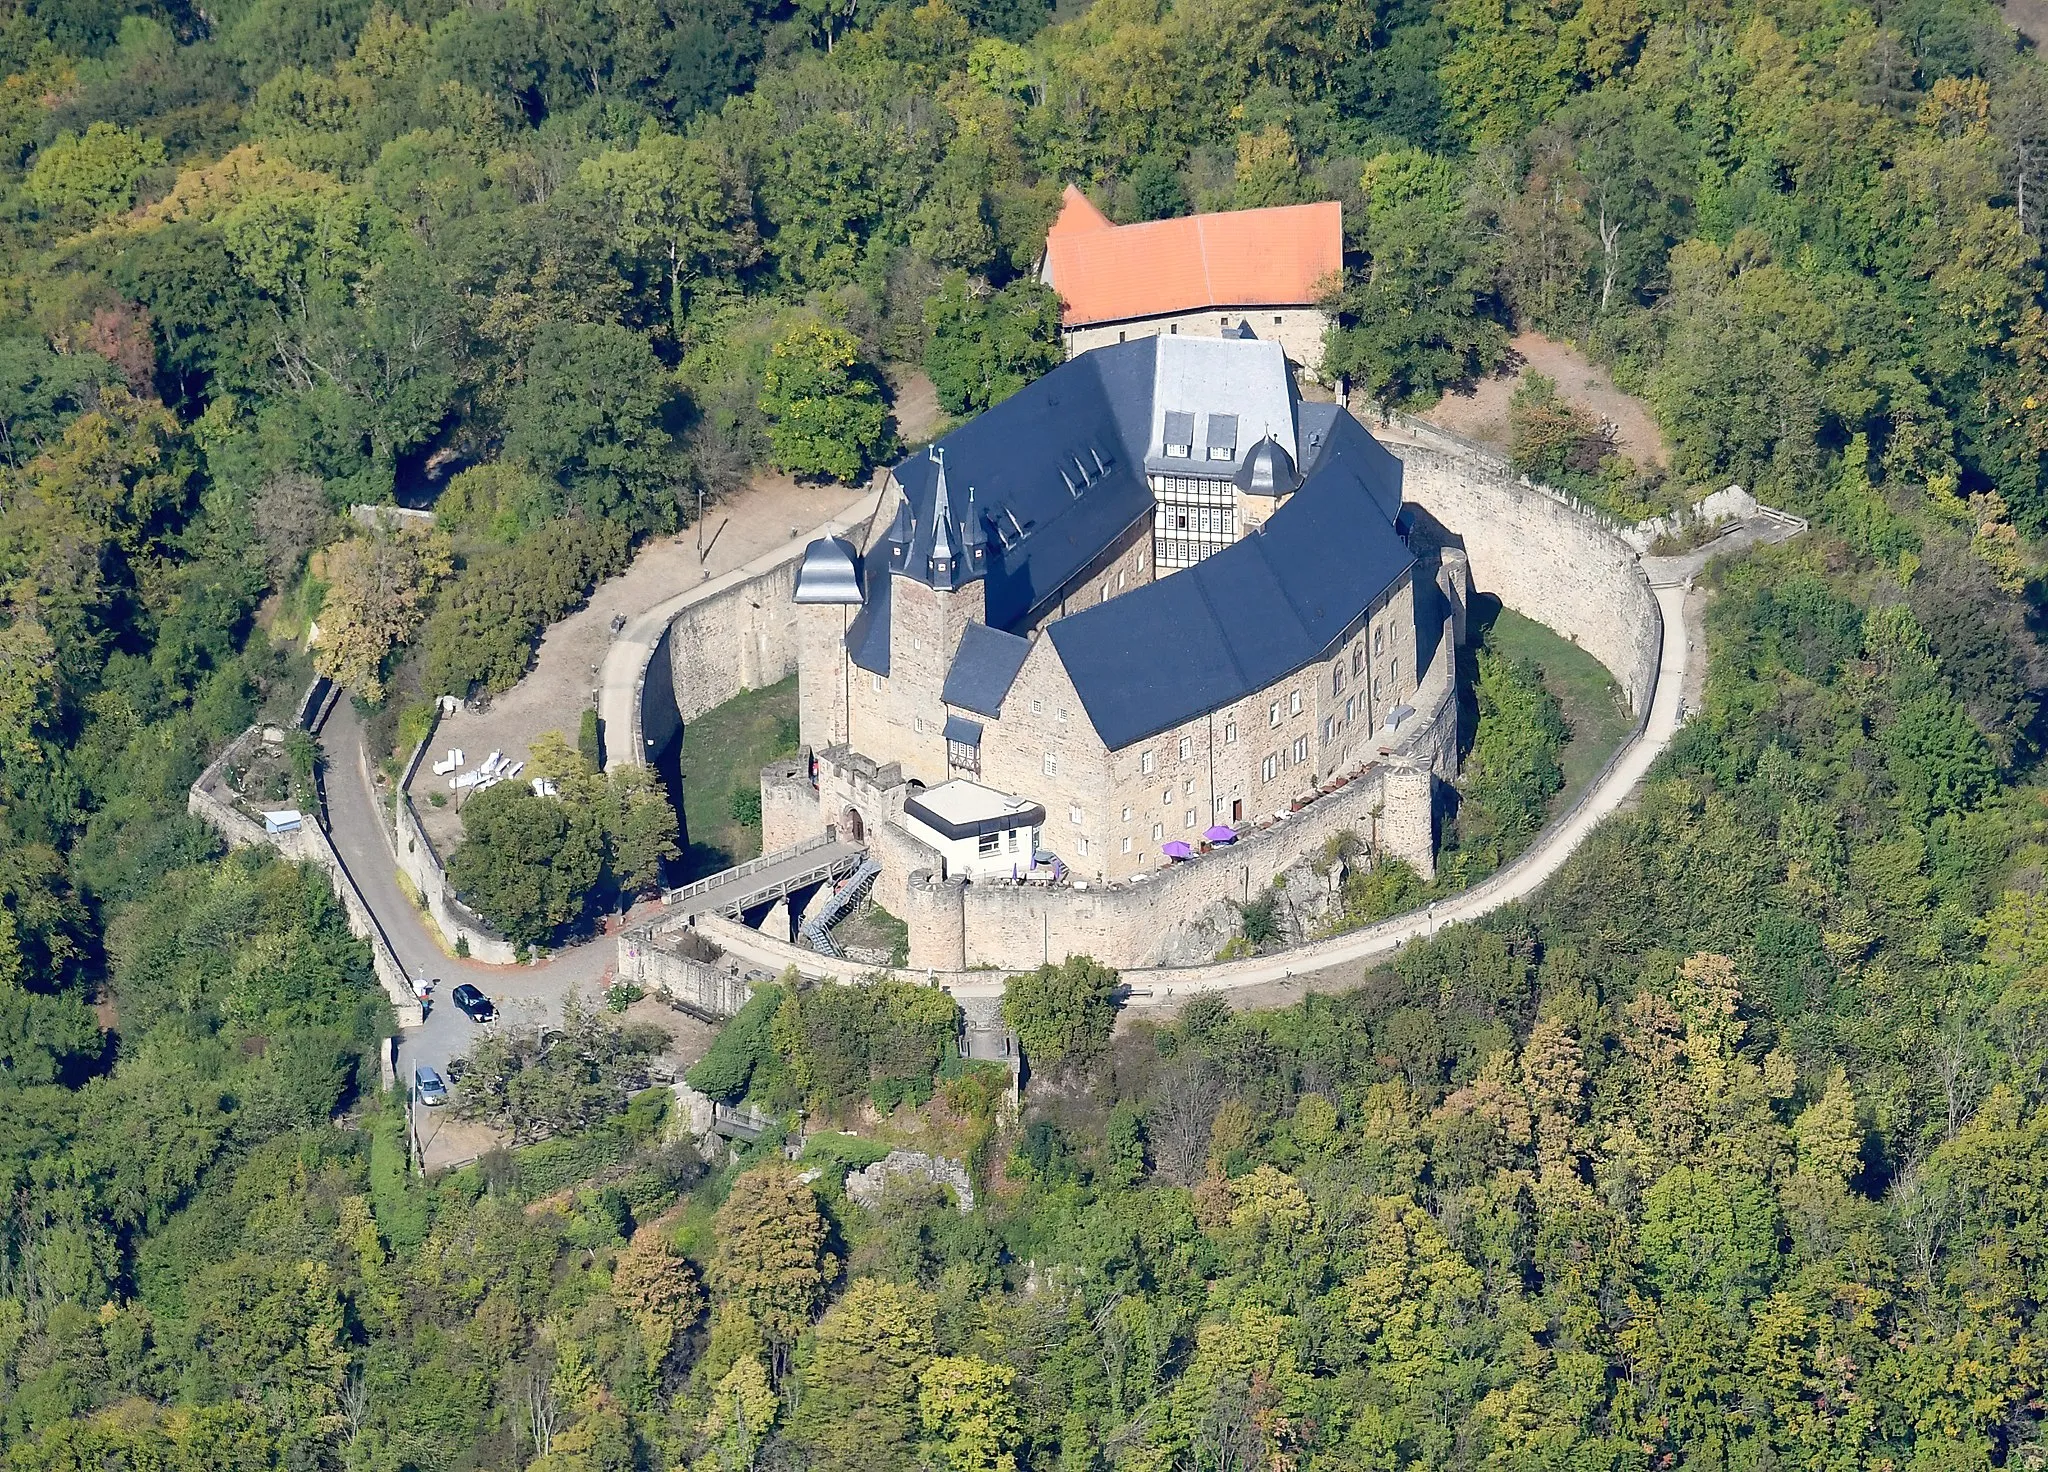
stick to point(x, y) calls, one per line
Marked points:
point(1729, 1151)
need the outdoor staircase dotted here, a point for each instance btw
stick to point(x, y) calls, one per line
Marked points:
point(816, 930)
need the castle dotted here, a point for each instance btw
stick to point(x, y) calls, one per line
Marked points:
point(1129, 620)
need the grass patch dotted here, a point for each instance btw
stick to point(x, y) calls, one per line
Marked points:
point(723, 753)
point(1592, 702)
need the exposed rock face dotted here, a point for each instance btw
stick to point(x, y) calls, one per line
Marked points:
point(867, 1186)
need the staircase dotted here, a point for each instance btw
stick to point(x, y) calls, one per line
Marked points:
point(816, 930)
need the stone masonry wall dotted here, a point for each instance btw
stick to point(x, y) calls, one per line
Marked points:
point(740, 640)
point(421, 865)
point(1540, 554)
point(1298, 330)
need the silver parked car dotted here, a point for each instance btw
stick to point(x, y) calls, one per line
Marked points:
point(427, 1085)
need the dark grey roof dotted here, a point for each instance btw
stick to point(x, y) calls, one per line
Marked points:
point(1267, 471)
point(1222, 432)
point(1245, 618)
point(1243, 330)
point(1046, 479)
point(1023, 817)
point(962, 730)
point(867, 642)
point(1180, 428)
point(830, 572)
point(984, 666)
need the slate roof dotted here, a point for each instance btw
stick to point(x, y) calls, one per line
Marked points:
point(1271, 603)
point(1243, 258)
point(1049, 477)
point(984, 666)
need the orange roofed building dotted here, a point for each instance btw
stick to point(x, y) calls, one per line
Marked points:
point(1204, 275)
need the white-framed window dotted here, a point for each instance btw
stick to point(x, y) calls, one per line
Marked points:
point(1230, 733)
point(1273, 714)
point(1166, 797)
point(1189, 821)
point(1145, 761)
point(1394, 669)
point(1060, 715)
point(1127, 815)
point(1013, 840)
point(988, 843)
point(1127, 843)
point(919, 722)
point(1337, 678)
point(1187, 747)
point(1358, 658)
point(1379, 689)
point(1301, 748)
point(1329, 728)
point(1084, 848)
point(1119, 579)
point(1187, 788)
point(1036, 707)
point(1074, 816)
point(1052, 764)
point(1379, 641)
point(1158, 831)
point(1269, 768)
point(1294, 702)
point(876, 681)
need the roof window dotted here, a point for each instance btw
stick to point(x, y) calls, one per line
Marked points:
point(1222, 436)
point(1179, 438)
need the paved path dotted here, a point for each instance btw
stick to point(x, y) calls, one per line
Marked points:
point(527, 995)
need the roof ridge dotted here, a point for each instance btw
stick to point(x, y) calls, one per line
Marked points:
point(1222, 629)
point(1258, 540)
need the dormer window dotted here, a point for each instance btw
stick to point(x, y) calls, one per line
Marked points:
point(1179, 439)
point(1222, 436)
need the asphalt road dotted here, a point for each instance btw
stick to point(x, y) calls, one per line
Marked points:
point(526, 996)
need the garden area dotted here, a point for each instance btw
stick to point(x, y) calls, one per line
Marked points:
point(723, 753)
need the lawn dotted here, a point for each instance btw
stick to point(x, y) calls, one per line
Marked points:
point(723, 753)
point(1593, 708)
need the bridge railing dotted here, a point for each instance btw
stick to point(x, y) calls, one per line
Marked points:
point(740, 871)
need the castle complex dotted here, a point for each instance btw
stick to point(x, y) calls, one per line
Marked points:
point(1142, 613)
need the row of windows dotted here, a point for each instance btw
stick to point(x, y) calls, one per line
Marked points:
point(1193, 490)
point(1173, 328)
point(1200, 521)
point(1185, 552)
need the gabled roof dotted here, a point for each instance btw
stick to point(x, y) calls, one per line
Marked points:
point(1271, 603)
point(984, 667)
point(1243, 258)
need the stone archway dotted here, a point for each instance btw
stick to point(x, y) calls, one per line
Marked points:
point(851, 829)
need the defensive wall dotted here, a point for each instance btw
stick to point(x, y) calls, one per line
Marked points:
point(307, 844)
point(420, 863)
point(1544, 554)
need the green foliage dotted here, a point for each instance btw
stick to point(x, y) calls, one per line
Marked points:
point(1061, 1012)
point(94, 174)
point(483, 633)
point(590, 415)
point(824, 405)
point(743, 1049)
point(882, 1040)
point(528, 864)
point(746, 808)
point(983, 346)
point(1513, 769)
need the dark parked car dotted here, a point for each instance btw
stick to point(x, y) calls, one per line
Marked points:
point(427, 1084)
point(474, 1004)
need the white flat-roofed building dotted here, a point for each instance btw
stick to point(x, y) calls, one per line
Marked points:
point(978, 832)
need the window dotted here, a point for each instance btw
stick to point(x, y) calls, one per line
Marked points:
point(1350, 702)
point(1294, 702)
point(1036, 707)
point(1358, 658)
point(1269, 768)
point(1230, 733)
point(1379, 689)
point(960, 754)
point(1277, 320)
point(1127, 815)
point(877, 680)
point(1084, 848)
point(1301, 748)
point(1060, 715)
point(1074, 816)
point(1127, 845)
point(1145, 762)
point(1103, 595)
point(1394, 670)
point(1189, 822)
point(1329, 729)
point(988, 843)
point(1013, 840)
point(1273, 714)
point(1337, 678)
point(1119, 580)
point(1173, 329)
point(1119, 337)
point(1187, 788)
point(1379, 641)
point(1158, 831)
point(1052, 764)
point(1165, 796)
point(1187, 747)
point(919, 723)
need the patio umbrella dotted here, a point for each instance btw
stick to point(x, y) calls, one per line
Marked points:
point(1221, 834)
point(1176, 850)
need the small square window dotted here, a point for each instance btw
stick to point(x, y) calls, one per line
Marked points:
point(1036, 707)
point(1060, 715)
point(1277, 321)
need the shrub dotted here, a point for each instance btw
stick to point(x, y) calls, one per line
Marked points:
point(1063, 1011)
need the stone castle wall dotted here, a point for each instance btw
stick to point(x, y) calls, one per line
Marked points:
point(1541, 554)
point(1298, 330)
point(421, 864)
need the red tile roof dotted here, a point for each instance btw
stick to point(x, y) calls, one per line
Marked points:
point(1276, 257)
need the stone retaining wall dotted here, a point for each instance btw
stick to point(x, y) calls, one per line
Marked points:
point(309, 845)
point(419, 862)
